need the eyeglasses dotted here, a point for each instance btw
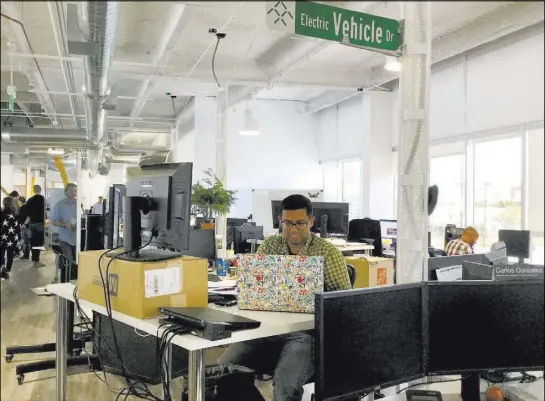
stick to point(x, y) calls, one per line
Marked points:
point(300, 225)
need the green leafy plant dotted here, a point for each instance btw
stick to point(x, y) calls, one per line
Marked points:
point(209, 197)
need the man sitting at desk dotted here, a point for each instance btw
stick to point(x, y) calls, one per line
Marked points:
point(290, 355)
point(464, 244)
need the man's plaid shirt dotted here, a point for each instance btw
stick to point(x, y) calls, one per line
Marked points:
point(458, 247)
point(335, 272)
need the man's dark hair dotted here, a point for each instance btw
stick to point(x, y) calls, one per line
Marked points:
point(14, 194)
point(296, 202)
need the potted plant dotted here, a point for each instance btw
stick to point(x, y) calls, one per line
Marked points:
point(209, 199)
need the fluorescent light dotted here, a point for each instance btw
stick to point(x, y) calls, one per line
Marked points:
point(392, 64)
point(250, 124)
point(58, 151)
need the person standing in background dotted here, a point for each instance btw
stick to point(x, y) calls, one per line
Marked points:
point(35, 220)
point(10, 235)
point(25, 234)
point(97, 207)
point(65, 217)
point(14, 195)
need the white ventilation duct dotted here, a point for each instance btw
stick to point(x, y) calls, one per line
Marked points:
point(48, 137)
point(412, 214)
point(97, 21)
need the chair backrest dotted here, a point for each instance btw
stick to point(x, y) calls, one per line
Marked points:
point(366, 228)
point(435, 252)
point(351, 274)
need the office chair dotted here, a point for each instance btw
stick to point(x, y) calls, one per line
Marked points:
point(351, 274)
point(436, 252)
point(75, 346)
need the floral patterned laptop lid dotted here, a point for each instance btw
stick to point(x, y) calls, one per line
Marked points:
point(280, 283)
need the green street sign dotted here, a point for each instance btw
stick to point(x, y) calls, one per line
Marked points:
point(336, 24)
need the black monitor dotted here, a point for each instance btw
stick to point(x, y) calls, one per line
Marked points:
point(112, 212)
point(453, 261)
point(337, 217)
point(367, 338)
point(517, 243)
point(241, 236)
point(202, 244)
point(169, 188)
point(231, 224)
point(479, 326)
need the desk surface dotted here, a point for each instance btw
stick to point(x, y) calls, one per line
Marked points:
point(272, 323)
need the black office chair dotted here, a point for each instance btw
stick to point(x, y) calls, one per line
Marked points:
point(436, 252)
point(75, 346)
point(351, 274)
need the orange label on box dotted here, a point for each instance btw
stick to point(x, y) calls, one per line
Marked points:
point(382, 276)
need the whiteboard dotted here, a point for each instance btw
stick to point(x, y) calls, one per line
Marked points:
point(262, 210)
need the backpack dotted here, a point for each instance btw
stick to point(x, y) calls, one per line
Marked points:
point(227, 383)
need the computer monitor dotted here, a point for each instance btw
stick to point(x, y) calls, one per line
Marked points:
point(479, 326)
point(337, 216)
point(169, 187)
point(453, 261)
point(231, 224)
point(388, 229)
point(367, 338)
point(517, 242)
point(202, 244)
point(113, 216)
point(243, 234)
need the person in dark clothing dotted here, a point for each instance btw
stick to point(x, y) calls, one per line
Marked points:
point(35, 219)
point(10, 235)
point(25, 232)
point(16, 205)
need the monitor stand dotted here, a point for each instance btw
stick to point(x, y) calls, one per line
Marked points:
point(471, 387)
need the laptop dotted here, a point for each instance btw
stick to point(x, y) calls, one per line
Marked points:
point(279, 283)
point(197, 317)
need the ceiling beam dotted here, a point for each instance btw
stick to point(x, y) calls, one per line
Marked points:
point(499, 24)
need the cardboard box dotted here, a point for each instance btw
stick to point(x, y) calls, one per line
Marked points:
point(138, 289)
point(372, 271)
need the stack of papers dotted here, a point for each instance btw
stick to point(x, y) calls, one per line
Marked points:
point(224, 287)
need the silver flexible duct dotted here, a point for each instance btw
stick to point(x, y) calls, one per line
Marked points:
point(97, 22)
point(49, 137)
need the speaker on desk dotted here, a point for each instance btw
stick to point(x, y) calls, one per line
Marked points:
point(139, 354)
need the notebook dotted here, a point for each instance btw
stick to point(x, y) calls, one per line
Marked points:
point(280, 283)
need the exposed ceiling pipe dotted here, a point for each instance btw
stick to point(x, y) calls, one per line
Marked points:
point(98, 23)
point(148, 84)
point(127, 149)
point(58, 23)
point(46, 137)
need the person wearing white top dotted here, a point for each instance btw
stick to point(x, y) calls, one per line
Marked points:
point(97, 207)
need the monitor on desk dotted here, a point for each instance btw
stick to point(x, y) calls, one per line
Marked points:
point(517, 243)
point(367, 338)
point(202, 244)
point(442, 262)
point(243, 234)
point(479, 326)
point(337, 216)
point(388, 229)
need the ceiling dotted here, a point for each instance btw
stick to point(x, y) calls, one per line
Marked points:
point(257, 61)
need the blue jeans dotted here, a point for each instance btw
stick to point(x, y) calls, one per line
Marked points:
point(289, 356)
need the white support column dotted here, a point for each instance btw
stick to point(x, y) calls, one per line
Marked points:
point(221, 166)
point(411, 250)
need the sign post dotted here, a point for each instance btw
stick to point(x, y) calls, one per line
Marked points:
point(335, 24)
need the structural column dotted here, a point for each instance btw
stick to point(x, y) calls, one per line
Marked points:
point(411, 249)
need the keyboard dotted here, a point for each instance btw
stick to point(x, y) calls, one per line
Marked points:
point(213, 278)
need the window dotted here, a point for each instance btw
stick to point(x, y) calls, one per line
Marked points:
point(342, 183)
point(497, 188)
point(448, 173)
point(351, 187)
point(534, 193)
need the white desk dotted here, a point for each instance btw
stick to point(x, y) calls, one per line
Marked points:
point(355, 247)
point(272, 324)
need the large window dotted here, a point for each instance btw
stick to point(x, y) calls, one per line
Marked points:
point(535, 171)
point(497, 191)
point(343, 183)
point(448, 173)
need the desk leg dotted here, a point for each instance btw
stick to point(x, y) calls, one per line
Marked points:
point(168, 371)
point(196, 376)
point(61, 348)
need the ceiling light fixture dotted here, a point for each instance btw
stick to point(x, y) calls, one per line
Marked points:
point(58, 151)
point(392, 64)
point(250, 127)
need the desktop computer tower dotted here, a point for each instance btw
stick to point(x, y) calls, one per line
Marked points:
point(139, 354)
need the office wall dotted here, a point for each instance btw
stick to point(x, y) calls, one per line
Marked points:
point(283, 156)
